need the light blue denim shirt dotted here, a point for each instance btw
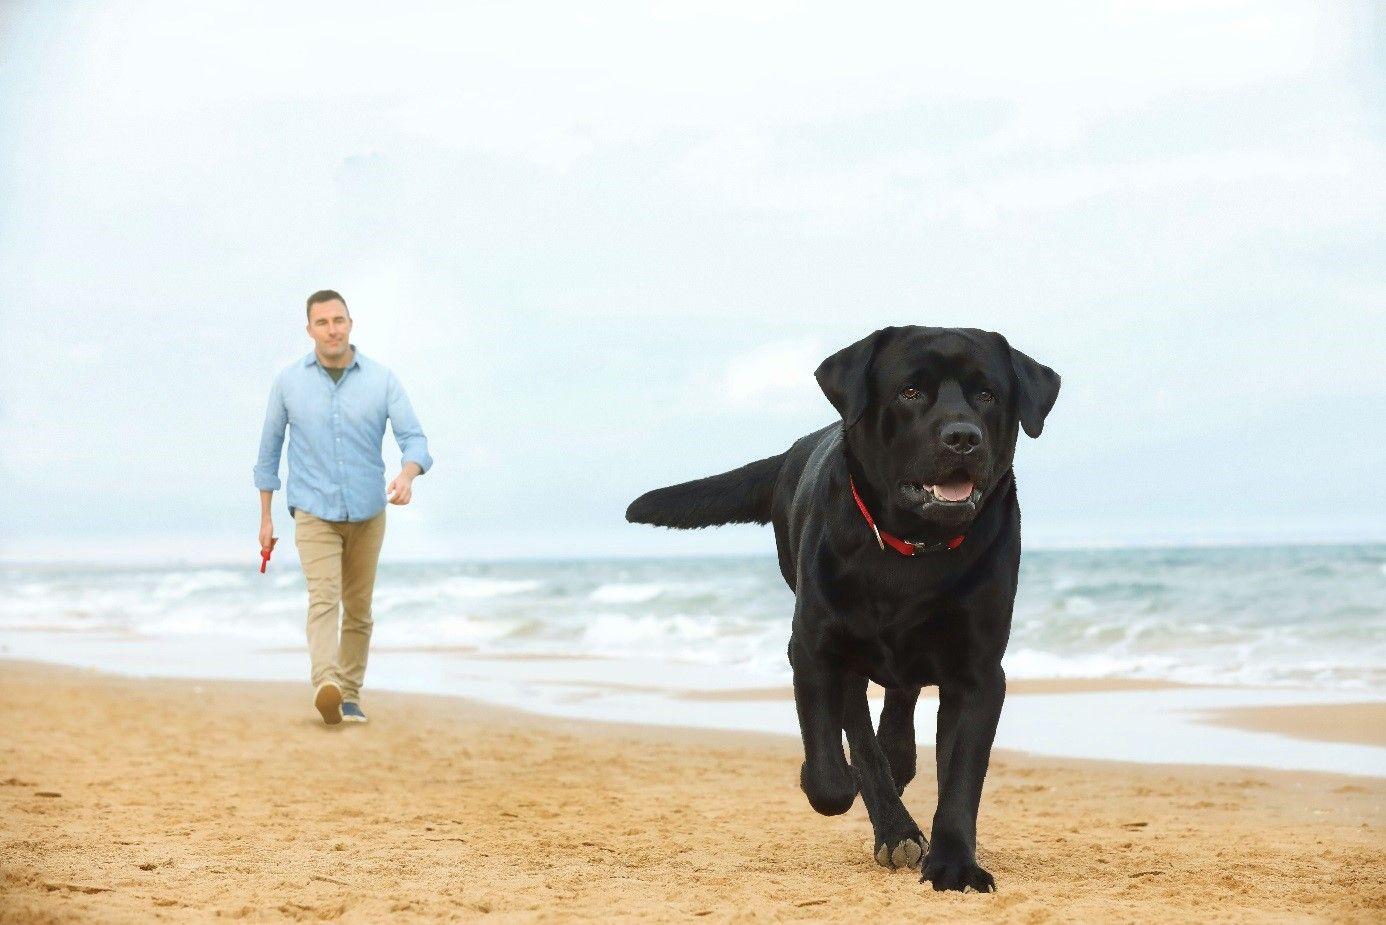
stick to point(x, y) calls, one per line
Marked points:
point(336, 471)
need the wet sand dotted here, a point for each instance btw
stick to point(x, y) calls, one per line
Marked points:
point(135, 800)
point(1022, 686)
point(1360, 723)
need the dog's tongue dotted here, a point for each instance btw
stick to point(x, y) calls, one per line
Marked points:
point(958, 490)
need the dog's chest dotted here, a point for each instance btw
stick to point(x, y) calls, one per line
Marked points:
point(893, 644)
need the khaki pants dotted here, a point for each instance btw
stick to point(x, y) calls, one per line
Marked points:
point(339, 560)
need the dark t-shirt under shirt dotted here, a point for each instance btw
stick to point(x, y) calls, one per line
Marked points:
point(335, 372)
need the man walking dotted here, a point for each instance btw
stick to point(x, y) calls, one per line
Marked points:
point(335, 402)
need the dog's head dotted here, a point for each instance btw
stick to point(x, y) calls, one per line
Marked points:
point(931, 415)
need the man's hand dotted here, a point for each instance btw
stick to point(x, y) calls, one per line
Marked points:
point(266, 533)
point(402, 488)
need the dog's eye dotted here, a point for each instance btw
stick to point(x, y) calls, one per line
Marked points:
point(985, 397)
point(909, 392)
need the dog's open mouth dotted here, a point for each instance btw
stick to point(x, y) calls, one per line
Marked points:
point(956, 489)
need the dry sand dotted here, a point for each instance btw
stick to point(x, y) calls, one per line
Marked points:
point(130, 800)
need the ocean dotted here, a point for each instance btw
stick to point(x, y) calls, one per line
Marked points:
point(1301, 617)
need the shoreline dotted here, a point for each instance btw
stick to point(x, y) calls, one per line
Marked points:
point(1163, 723)
point(1340, 720)
point(229, 552)
point(1145, 721)
point(133, 799)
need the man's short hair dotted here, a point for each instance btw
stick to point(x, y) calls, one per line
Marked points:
point(326, 295)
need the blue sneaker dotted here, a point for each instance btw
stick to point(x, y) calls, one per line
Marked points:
point(351, 713)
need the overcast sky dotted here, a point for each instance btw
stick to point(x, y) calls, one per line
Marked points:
point(605, 245)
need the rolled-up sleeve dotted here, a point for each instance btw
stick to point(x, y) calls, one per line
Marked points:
point(413, 445)
point(272, 440)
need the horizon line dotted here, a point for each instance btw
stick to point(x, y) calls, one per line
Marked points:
point(1087, 546)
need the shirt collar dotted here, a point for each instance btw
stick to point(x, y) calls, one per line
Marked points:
point(312, 358)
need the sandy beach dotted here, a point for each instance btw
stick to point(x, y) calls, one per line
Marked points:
point(132, 800)
point(1363, 723)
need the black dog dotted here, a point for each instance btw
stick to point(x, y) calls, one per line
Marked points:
point(899, 532)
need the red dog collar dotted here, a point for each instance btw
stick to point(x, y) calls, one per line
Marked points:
point(903, 547)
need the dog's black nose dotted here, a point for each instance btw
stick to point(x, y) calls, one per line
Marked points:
point(962, 438)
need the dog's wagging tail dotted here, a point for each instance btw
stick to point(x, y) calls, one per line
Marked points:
point(741, 496)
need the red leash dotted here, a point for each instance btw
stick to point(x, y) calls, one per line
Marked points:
point(883, 539)
point(265, 554)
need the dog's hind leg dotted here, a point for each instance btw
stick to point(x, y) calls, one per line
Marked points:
point(899, 843)
point(896, 734)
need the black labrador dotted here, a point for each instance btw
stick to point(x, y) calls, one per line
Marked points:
point(898, 530)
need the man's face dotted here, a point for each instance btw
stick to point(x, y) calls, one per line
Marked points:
point(330, 327)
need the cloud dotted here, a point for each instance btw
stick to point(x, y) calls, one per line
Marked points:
point(776, 376)
point(1203, 174)
point(580, 231)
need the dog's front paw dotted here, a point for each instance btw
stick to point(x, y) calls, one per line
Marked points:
point(831, 788)
point(901, 849)
point(956, 873)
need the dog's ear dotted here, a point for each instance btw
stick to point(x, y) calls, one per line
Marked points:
point(1036, 390)
point(843, 377)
